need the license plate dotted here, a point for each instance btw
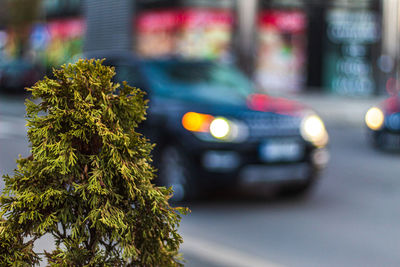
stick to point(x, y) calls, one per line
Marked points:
point(281, 150)
point(256, 173)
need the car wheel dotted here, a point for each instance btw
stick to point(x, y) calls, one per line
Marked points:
point(174, 172)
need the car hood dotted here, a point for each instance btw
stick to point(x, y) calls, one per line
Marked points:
point(219, 106)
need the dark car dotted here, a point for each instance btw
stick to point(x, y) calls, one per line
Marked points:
point(213, 130)
point(17, 74)
point(383, 123)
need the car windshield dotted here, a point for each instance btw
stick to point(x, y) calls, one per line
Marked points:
point(204, 80)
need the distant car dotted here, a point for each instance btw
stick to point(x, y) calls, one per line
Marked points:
point(17, 74)
point(213, 130)
point(383, 124)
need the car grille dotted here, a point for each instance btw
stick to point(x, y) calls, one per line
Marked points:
point(263, 124)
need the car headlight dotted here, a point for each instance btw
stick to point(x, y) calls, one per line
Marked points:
point(210, 128)
point(374, 118)
point(313, 129)
point(220, 128)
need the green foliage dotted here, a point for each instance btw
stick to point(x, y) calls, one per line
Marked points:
point(88, 180)
point(13, 251)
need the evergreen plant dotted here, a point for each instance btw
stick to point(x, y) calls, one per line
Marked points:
point(88, 180)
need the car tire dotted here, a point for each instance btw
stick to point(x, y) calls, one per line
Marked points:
point(174, 171)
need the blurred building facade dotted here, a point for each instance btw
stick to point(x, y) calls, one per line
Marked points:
point(346, 47)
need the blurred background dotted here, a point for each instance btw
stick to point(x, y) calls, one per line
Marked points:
point(340, 57)
point(345, 47)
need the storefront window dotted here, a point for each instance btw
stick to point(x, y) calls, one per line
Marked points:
point(187, 30)
point(280, 60)
point(351, 36)
point(57, 41)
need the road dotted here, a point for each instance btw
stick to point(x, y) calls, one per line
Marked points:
point(351, 219)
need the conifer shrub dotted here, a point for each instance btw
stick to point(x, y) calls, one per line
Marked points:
point(88, 180)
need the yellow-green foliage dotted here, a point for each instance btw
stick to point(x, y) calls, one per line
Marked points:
point(88, 180)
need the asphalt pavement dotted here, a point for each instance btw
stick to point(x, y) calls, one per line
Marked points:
point(350, 219)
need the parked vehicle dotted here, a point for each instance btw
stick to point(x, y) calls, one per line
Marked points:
point(383, 124)
point(212, 129)
point(17, 74)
